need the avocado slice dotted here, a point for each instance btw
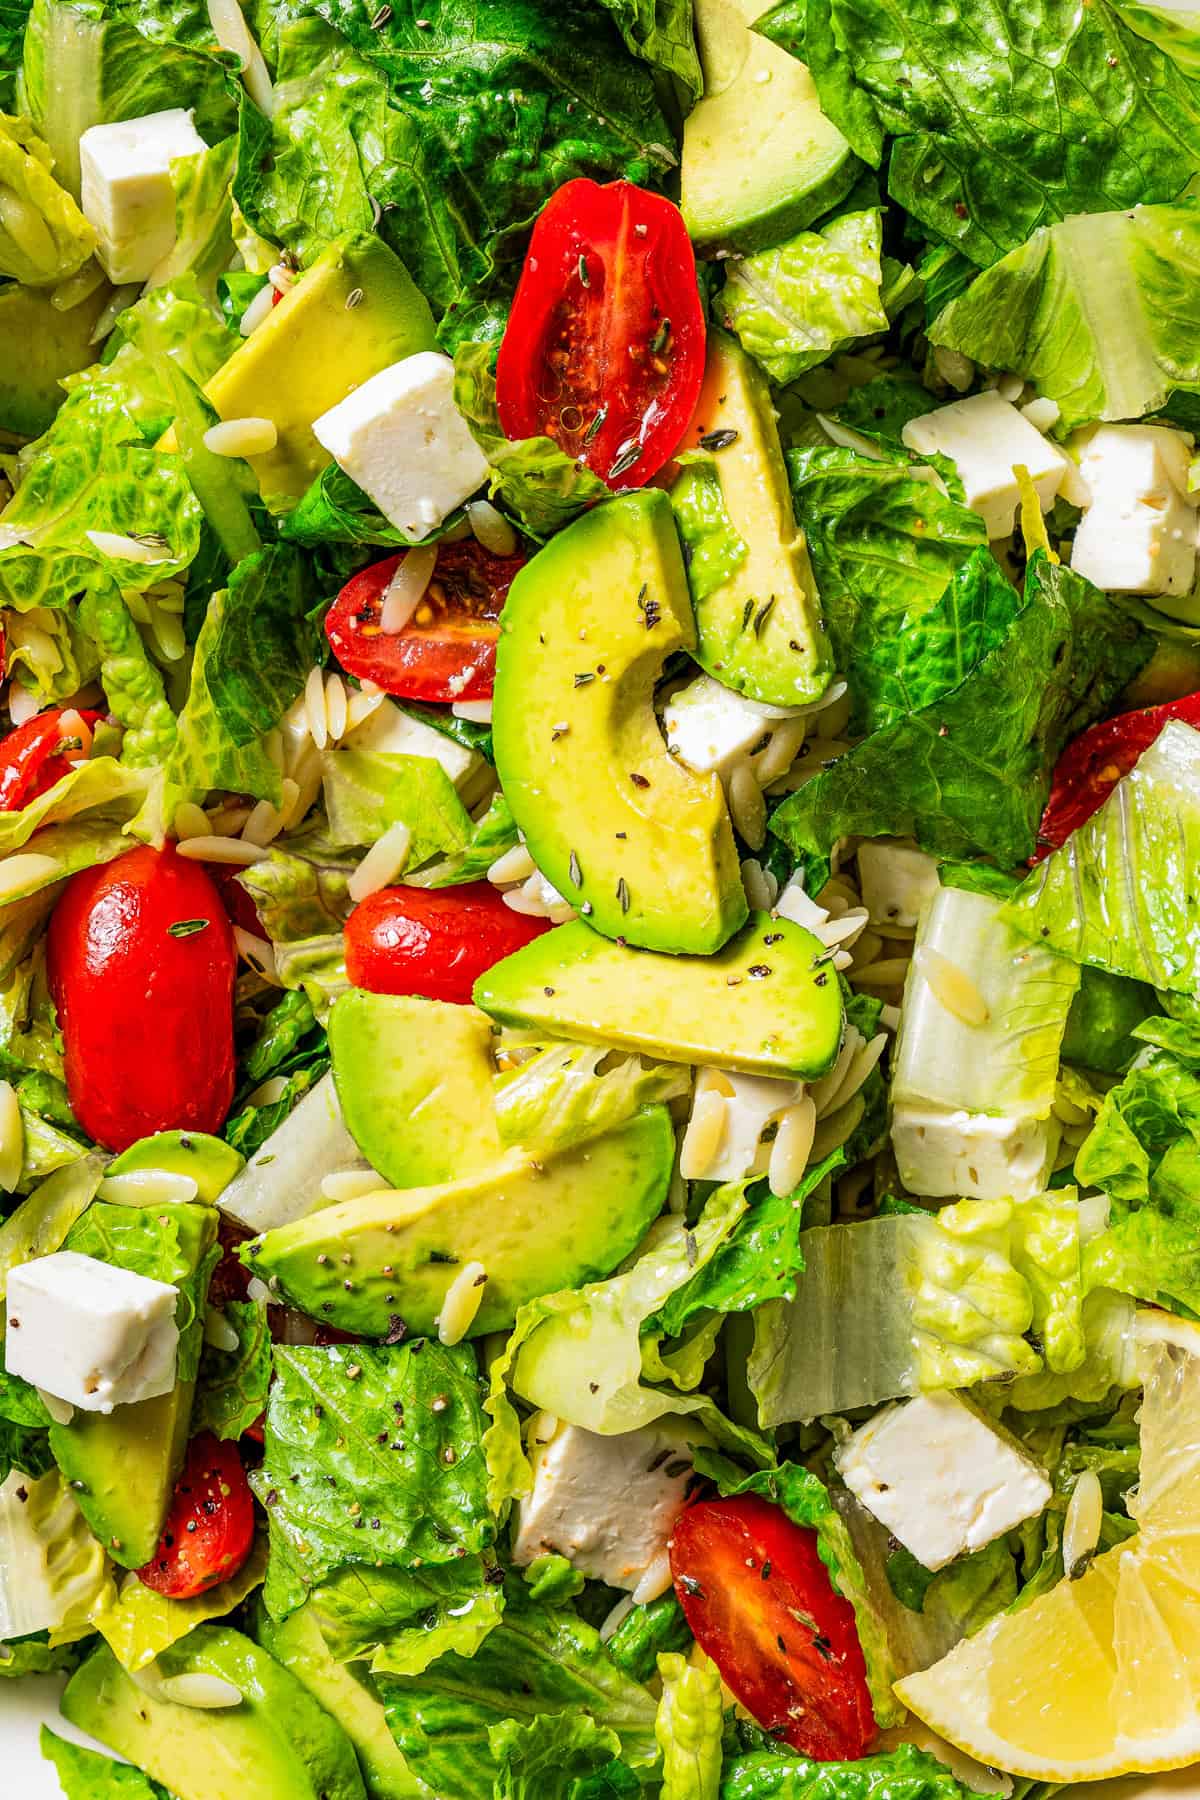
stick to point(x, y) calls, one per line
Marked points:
point(278, 1743)
point(297, 1644)
point(122, 1465)
point(760, 159)
point(769, 1004)
point(414, 1081)
point(639, 842)
point(312, 350)
point(211, 1163)
point(535, 1227)
point(760, 630)
point(53, 344)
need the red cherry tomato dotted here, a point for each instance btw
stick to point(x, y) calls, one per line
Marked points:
point(210, 1528)
point(604, 348)
point(447, 651)
point(760, 1602)
point(146, 1016)
point(31, 760)
point(1092, 764)
point(433, 942)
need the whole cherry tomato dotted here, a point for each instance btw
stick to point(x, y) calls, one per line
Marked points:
point(604, 347)
point(32, 757)
point(209, 1531)
point(760, 1602)
point(141, 964)
point(447, 651)
point(433, 942)
point(1092, 764)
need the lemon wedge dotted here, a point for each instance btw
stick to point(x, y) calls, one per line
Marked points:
point(1101, 1676)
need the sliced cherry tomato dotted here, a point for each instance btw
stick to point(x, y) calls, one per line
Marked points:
point(433, 942)
point(145, 1008)
point(210, 1526)
point(760, 1602)
point(31, 758)
point(1092, 764)
point(447, 651)
point(604, 347)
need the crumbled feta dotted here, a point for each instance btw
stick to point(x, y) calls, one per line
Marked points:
point(981, 1156)
point(403, 440)
point(710, 728)
point(985, 437)
point(608, 1504)
point(126, 192)
point(751, 1103)
point(1138, 535)
point(940, 1478)
point(390, 732)
point(90, 1334)
point(896, 880)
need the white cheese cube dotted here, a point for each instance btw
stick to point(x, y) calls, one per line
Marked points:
point(1138, 535)
point(980, 1156)
point(710, 728)
point(940, 1478)
point(90, 1334)
point(896, 880)
point(608, 1504)
point(126, 192)
point(390, 732)
point(985, 437)
point(401, 437)
point(751, 1103)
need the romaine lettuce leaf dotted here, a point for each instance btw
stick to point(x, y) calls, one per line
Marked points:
point(231, 1387)
point(52, 238)
point(334, 510)
point(203, 218)
point(491, 835)
point(558, 1098)
point(133, 685)
point(648, 1632)
point(797, 304)
point(138, 1623)
point(54, 1576)
point(1109, 1362)
point(660, 32)
point(904, 1773)
point(301, 896)
point(88, 1775)
point(366, 791)
point(545, 1759)
point(1100, 312)
point(34, 1656)
point(39, 1225)
point(399, 1620)
point(159, 1242)
point(688, 1728)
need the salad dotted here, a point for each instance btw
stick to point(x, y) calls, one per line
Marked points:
point(599, 838)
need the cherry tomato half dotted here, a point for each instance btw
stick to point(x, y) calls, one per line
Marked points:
point(604, 347)
point(146, 1011)
point(1092, 764)
point(210, 1526)
point(433, 942)
point(760, 1602)
point(31, 760)
point(447, 651)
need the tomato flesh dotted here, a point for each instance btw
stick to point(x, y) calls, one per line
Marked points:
point(209, 1530)
point(759, 1601)
point(604, 347)
point(433, 942)
point(1092, 764)
point(31, 760)
point(146, 1015)
point(447, 651)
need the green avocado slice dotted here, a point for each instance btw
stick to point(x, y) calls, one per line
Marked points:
point(211, 1162)
point(279, 1744)
point(535, 1227)
point(641, 844)
point(768, 1004)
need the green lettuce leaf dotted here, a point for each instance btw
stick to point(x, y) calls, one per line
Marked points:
point(712, 549)
point(52, 238)
point(53, 1573)
point(904, 1773)
point(13, 14)
point(660, 32)
point(161, 1243)
point(558, 1098)
point(300, 893)
point(334, 510)
point(231, 1387)
point(648, 1632)
point(133, 685)
point(203, 218)
point(224, 485)
point(366, 791)
point(399, 1620)
point(882, 407)
point(1099, 312)
point(491, 835)
point(961, 1597)
point(138, 1624)
point(688, 1728)
point(1109, 1362)
point(1049, 112)
point(39, 1225)
point(87, 1775)
point(800, 302)
point(969, 773)
point(23, 1447)
point(545, 1759)
point(35, 1656)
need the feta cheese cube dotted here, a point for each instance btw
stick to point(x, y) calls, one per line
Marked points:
point(389, 731)
point(404, 441)
point(1138, 535)
point(126, 192)
point(940, 1477)
point(751, 1103)
point(712, 729)
point(896, 880)
point(985, 437)
point(980, 1156)
point(90, 1334)
point(608, 1504)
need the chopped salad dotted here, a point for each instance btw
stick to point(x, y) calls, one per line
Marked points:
point(599, 841)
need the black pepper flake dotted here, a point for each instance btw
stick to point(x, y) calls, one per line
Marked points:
point(639, 781)
point(718, 440)
point(758, 971)
point(747, 614)
point(821, 979)
point(397, 1330)
point(773, 937)
point(780, 1642)
point(549, 992)
point(593, 1387)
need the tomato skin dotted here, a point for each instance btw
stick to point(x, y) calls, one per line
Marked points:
point(146, 1018)
point(434, 942)
point(1092, 764)
point(604, 347)
point(30, 762)
point(209, 1531)
point(759, 1600)
point(447, 651)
